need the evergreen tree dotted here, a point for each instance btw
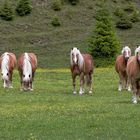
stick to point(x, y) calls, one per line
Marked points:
point(6, 12)
point(23, 8)
point(103, 43)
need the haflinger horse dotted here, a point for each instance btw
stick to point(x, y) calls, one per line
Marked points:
point(133, 71)
point(82, 65)
point(120, 67)
point(7, 64)
point(27, 65)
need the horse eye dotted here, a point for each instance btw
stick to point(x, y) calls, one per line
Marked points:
point(29, 75)
point(23, 75)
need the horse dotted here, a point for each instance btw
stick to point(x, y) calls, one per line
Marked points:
point(82, 65)
point(7, 64)
point(27, 65)
point(133, 71)
point(120, 67)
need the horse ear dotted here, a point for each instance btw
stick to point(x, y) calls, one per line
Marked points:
point(71, 48)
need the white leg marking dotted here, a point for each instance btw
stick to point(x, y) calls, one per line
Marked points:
point(81, 91)
point(134, 100)
point(120, 87)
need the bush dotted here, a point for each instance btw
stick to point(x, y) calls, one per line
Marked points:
point(119, 12)
point(56, 5)
point(103, 43)
point(6, 12)
point(55, 21)
point(124, 23)
point(134, 17)
point(73, 2)
point(129, 8)
point(23, 8)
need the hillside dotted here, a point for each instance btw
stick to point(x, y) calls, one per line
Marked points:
point(52, 44)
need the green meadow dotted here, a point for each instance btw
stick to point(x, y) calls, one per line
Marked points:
point(52, 112)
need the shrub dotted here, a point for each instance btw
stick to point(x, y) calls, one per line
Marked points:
point(55, 21)
point(119, 12)
point(129, 8)
point(73, 2)
point(103, 43)
point(124, 23)
point(134, 17)
point(23, 8)
point(6, 12)
point(56, 5)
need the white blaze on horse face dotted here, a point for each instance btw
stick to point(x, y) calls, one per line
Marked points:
point(76, 57)
point(126, 52)
point(137, 53)
point(27, 68)
point(5, 67)
point(74, 53)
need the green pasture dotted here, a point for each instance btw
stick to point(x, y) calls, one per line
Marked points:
point(52, 112)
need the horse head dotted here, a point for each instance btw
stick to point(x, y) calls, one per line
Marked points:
point(137, 53)
point(74, 56)
point(126, 51)
point(27, 70)
point(5, 67)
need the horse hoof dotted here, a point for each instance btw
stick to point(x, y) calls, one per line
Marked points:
point(11, 87)
point(31, 89)
point(90, 92)
point(135, 102)
point(119, 89)
point(129, 89)
point(80, 93)
point(74, 92)
point(21, 89)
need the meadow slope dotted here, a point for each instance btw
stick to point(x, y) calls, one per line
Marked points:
point(52, 44)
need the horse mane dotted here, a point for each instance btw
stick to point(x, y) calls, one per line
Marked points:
point(27, 68)
point(137, 50)
point(80, 60)
point(5, 61)
point(126, 48)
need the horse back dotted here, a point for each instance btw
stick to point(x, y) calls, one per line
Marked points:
point(120, 64)
point(12, 60)
point(33, 61)
point(88, 63)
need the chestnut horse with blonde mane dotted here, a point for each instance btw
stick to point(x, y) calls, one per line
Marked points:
point(120, 66)
point(82, 65)
point(133, 71)
point(7, 65)
point(27, 65)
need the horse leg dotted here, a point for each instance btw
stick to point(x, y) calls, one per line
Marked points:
point(10, 81)
point(128, 84)
point(120, 82)
point(31, 86)
point(22, 85)
point(81, 83)
point(90, 83)
point(134, 88)
point(74, 83)
point(4, 84)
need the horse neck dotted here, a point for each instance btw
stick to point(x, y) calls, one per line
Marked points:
point(81, 61)
point(5, 63)
point(125, 61)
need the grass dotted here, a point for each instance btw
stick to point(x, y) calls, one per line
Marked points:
point(52, 112)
